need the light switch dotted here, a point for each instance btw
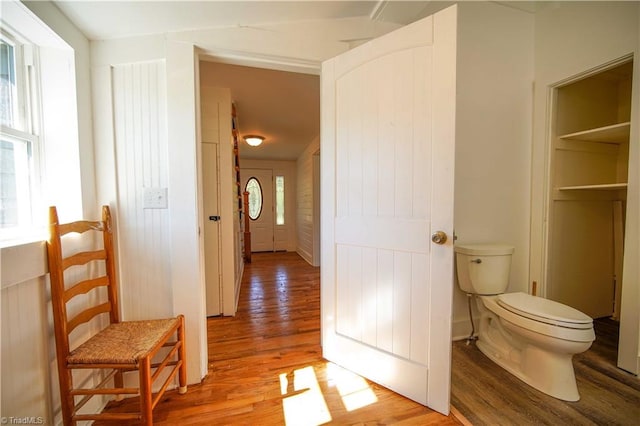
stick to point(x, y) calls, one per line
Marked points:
point(155, 198)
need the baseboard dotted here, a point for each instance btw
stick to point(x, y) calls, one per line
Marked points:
point(305, 255)
point(460, 417)
point(238, 287)
point(461, 329)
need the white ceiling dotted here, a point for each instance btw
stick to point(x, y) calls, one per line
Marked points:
point(106, 19)
point(282, 106)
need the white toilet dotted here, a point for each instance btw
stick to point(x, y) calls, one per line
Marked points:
point(531, 337)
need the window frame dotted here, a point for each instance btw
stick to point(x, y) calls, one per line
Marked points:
point(261, 197)
point(25, 127)
point(279, 207)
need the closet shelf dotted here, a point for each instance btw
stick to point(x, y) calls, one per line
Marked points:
point(616, 133)
point(602, 187)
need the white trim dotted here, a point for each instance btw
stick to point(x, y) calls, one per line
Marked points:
point(273, 62)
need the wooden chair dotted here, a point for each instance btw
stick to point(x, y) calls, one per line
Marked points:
point(119, 347)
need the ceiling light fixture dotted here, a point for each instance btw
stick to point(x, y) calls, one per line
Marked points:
point(253, 140)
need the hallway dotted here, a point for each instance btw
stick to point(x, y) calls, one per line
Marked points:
point(266, 365)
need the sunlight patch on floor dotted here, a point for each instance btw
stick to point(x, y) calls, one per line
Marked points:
point(305, 405)
point(353, 389)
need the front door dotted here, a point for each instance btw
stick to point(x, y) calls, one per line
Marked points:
point(388, 133)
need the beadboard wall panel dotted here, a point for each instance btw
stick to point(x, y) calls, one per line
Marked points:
point(26, 380)
point(143, 234)
point(28, 358)
point(304, 201)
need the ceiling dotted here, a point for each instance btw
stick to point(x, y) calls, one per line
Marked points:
point(282, 106)
point(109, 19)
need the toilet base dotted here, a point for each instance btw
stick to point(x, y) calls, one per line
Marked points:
point(547, 372)
point(542, 361)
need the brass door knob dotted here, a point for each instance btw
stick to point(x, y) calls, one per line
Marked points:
point(439, 237)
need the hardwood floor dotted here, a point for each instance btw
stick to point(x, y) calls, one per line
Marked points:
point(487, 395)
point(266, 365)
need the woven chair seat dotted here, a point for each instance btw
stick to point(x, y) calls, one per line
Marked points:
point(122, 343)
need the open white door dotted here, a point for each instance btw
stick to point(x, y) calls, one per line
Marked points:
point(388, 134)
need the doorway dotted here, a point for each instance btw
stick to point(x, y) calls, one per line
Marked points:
point(287, 154)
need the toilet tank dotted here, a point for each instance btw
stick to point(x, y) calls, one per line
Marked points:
point(483, 268)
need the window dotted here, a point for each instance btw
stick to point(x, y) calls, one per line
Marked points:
point(279, 200)
point(18, 136)
point(8, 89)
point(38, 109)
point(254, 189)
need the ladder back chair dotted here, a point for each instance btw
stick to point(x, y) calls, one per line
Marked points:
point(121, 346)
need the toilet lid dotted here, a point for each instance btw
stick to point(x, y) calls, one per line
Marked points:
point(545, 310)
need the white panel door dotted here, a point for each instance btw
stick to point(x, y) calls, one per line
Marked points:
point(388, 133)
point(262, 227)
point(210, 181)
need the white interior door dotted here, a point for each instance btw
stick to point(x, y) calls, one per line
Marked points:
point(211, 229)
point(262, 226)
point(388, 133)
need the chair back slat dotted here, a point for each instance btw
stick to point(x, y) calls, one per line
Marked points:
point(84, 287)
point(83, 258)
point(81, 226)
point(87, 315)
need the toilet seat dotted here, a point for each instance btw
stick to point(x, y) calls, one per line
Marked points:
point(576, 332)
point(544, 310)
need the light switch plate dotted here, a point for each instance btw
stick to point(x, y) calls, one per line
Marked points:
point(155, 198)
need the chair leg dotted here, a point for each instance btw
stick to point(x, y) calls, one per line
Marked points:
point(146, 392)
point(67, 402)
point(182, 356)
point(118, 382)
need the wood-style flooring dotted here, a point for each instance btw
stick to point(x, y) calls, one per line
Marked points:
point(266, 365)
point(487, 395)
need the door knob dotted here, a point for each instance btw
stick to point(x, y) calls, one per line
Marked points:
point(439, 237)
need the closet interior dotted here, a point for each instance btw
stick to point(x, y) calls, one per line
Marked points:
point(589, 160)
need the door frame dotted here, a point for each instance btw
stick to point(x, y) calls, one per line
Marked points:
point(628, 343)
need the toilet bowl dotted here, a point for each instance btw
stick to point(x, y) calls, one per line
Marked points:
point(531, 337)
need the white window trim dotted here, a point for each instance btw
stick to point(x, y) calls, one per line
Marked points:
point(55, 153)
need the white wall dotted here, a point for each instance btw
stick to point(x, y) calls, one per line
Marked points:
point(571, 38)
point(493, 137)
point(160, 104)
point(305, 202)
point(59, 23)
point(285, 235)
